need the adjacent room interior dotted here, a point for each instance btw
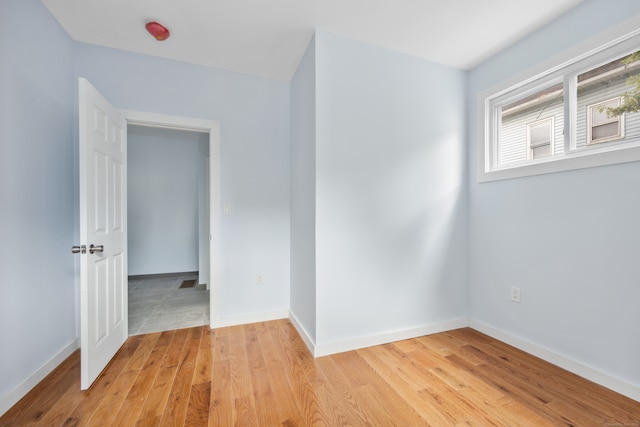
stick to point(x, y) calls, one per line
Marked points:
point(168, 228)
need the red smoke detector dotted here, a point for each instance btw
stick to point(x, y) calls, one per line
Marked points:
point(157, 30)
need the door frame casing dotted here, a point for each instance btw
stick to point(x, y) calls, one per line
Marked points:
point(212, 127)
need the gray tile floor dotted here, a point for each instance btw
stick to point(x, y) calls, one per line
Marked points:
point(159, 304)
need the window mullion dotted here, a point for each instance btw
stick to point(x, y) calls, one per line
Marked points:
point(570, 111)
point(496, 126)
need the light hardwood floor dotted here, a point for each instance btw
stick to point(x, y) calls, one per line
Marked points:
point(263, 375)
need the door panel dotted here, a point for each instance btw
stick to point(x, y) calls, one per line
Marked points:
point(103, 198)
point(99, 314)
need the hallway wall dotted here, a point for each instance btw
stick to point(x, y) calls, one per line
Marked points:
point(164, 180)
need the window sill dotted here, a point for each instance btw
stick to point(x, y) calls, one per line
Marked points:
point(578, 160)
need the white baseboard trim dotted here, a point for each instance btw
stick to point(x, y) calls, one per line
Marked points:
point(564, 362)
point(12, 397)
point(251, 318)
point(302, 332)
point(371, 340)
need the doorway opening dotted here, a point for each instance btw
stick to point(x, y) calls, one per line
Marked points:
point(186, 246)
point(168, 228)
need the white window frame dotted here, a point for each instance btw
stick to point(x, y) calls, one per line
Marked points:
point(616, 119)
point(551, 121)
point(564, 68)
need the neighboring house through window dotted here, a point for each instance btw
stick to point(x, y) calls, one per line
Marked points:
point(540, 138)
point(601, 126)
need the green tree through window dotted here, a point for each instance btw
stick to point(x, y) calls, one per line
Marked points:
point(630, 100)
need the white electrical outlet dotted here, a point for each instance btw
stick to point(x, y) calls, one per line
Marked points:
point(515, 294)
point(259, 279)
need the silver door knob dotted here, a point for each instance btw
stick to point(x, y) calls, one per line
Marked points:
point(93, 249)
point(82, 249)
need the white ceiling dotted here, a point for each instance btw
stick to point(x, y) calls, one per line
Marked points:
point(268, 37)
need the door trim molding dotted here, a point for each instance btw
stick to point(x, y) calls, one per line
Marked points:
point(212, 127)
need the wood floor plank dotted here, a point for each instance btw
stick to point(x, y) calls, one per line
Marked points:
point(286, 405)
point(567, 385)
point(240, 379)
point(302, 378)
point(204, 362)
point(38, 412)
point(67, 402)
point(455, 411)
point(363, 400)
point(308, 376)
point(266, 406)
point(355, 412)
point(454, 391)
point(222, 408)
point(133, 405)
point(390, 412)
point(175, 352)
point(138, 359)
point(177, 403)
point(498, 381)
point(305, 376)
point(92, 397)
point(575, 417)
point(383, 379)
point(547, 390)
point(252, 345)
point(221, 366)
point(38, 401)
point(158, 395)
point(109, 406)
point(245, 414)
point(272, 400)
point(495, 373)
point(411, 375)
point(262, 374)
point(198, 409)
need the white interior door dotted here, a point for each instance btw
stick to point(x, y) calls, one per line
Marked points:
point(103, 225)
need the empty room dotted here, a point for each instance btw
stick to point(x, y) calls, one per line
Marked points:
point(408, 212)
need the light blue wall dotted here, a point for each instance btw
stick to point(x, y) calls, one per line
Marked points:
point(390, 191)
point(569, 240)
point(303, 192)
point(163, 209)
point(37, 293)
point(254, 121)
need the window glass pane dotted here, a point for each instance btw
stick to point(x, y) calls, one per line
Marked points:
point(606, 86)
point(540, 134)
point(516, 118)
point(600, 115)
point(541, 151)
point(605, 131)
